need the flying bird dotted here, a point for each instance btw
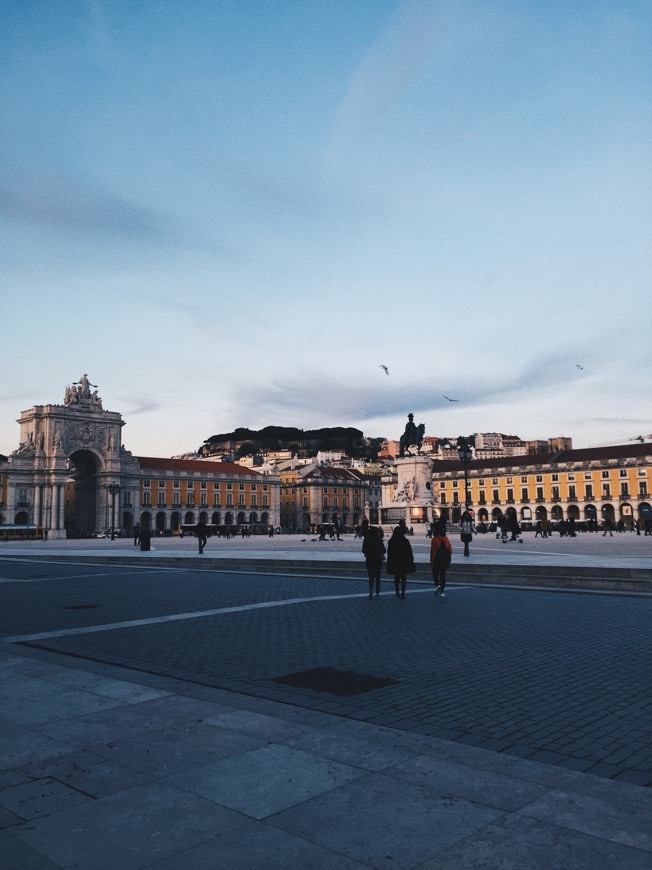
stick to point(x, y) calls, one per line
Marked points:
point(578, 366)
point(448, 399)
point(384, 368)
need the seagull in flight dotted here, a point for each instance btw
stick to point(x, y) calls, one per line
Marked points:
point(448, 399)
point(578, 366)
point(384, 368)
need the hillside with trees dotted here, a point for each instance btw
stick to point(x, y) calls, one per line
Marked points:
point(301, 442)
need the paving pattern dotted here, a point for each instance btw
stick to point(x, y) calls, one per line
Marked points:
point(553, 677)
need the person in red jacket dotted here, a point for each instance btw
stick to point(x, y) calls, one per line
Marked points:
point(440, 558)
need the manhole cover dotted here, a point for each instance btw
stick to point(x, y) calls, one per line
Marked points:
point(81, 606)
point(334, 681)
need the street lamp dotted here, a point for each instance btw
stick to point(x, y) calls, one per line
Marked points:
point(466, 455)
point(114, 489)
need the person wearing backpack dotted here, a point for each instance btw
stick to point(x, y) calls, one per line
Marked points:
point(440, 559)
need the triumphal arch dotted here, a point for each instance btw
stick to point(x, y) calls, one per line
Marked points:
point(70, 465)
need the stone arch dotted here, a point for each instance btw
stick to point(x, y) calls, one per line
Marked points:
point(82, 505)
point(160, 522)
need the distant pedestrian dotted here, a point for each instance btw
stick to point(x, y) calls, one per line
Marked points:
point(374, 554)
point(136, 534)
point(466, 531)
point(608, 528)
point(45, 534)
point(202, 536)
point(440, 558)
point(400, 560)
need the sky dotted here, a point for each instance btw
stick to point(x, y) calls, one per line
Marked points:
point(234, 212)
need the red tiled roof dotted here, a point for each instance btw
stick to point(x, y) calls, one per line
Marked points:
point(155, 463)
point(587, 454)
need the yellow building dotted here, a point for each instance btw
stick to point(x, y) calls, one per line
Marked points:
point(168, 493)
point(315, 495)
point(588, 486)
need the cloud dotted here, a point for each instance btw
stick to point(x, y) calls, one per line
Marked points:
point(316, 398)
point(80, 206)
point(140, 405)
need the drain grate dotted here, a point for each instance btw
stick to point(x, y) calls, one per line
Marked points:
point(81, 606)
point(334, 681)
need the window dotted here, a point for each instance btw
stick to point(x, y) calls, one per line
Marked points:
point(555, 493)
point(509, 480)
point(190, 499)
point(127, 499)
point(540, 493)
point(605, 474)
point(325, 501)
point(524, 480)
point(539, 478)
point(456, 498)
point(254, 500)
point(147, 498)
point(454, 484)
point(216, 498)
point(481, 483)
point(147, 484)
point(161, 499)
point(606, 490)
point(442, 484)
point(241, 500)
point(241, 487)
point(229, 486)
point(161, 483)
point(203, 499)
point(494, 481)
point(571, 477)
point(482, 496)
point(642, 487)
point(510, 494)
point(589, 490)
point(588, 475)
point(571, 492)
point(555, 478)
point(176, 498)
point(176, 484)
point(495, 496)
point(525, 494)
point(203, 485)
point(305, 501)
point(624, 488)
point(265, 500)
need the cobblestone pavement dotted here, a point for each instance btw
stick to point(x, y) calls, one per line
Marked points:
point(560, 678)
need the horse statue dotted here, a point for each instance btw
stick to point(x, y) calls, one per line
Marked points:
point(412, 437)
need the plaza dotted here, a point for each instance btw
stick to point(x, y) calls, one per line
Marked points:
point(253, 708)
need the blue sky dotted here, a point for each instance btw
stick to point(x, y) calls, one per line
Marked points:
point(232, 213)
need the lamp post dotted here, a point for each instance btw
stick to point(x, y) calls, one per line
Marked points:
point(114, 489)
point(466, 455)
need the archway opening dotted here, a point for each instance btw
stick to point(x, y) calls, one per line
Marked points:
point(80, 516)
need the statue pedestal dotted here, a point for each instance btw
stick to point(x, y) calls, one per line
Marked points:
point(412, 499)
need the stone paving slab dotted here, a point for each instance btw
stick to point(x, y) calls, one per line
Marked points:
point(294, 789)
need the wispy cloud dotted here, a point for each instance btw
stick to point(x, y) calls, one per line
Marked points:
point(67, 204)
point(329, 400)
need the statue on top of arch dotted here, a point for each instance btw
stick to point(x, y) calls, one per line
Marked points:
point(80, 394)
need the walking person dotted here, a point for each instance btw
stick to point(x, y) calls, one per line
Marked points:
point(440, 558)
point(466, 531)
point(374, 554)
point(201, 535)
point(136, 534)
point(400, 560)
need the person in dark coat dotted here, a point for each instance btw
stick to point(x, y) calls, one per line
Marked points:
point(440, 559)
point(374, 554)
point(202, 537)
point(400, 560)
